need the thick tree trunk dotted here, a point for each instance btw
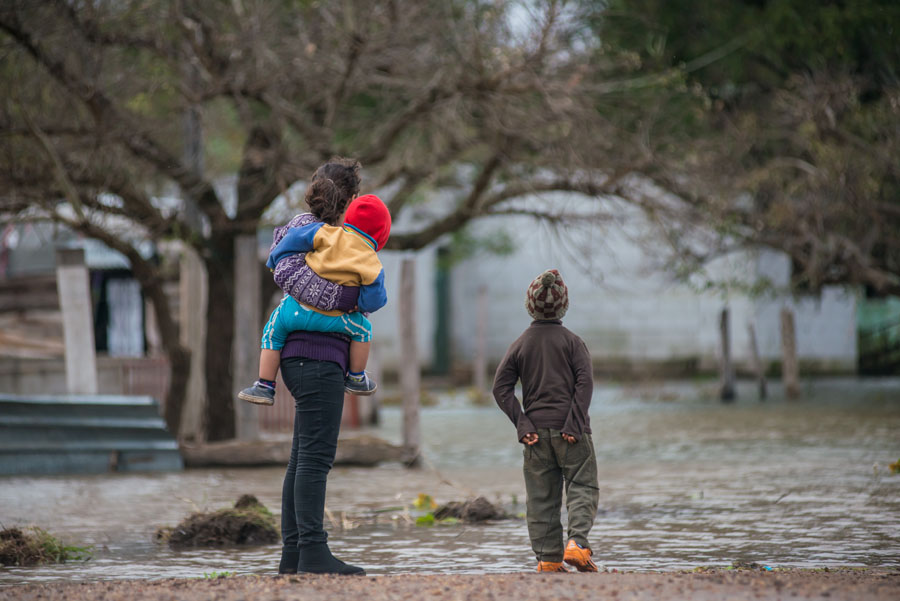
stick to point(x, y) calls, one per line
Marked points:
point(179, 357)
point(247, 300)
point(219, 411)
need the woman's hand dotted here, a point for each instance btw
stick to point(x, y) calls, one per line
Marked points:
point(569, 438)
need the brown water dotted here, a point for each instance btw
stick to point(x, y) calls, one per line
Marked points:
point(685, 481)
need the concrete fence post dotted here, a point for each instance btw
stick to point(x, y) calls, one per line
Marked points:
point(78, 321)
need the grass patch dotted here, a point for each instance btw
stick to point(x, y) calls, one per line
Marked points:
point(33, 546)
point(218, 575)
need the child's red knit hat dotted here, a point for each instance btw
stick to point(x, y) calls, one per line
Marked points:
point(370, 216)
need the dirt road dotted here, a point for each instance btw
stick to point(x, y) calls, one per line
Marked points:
point(850, 585)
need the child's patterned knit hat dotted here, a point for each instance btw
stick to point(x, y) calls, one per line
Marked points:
point(547, 296)
point(369, 215)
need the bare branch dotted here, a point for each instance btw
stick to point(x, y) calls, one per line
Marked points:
point(126, 130)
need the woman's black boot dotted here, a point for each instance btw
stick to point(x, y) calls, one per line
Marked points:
point(289, 560)
point(317, 559)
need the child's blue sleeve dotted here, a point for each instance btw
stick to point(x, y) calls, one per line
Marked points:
point(297, 240)
point(372, 296)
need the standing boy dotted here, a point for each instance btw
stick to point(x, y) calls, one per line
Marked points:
point(554, 366)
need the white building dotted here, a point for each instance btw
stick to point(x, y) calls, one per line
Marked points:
point(629, 311)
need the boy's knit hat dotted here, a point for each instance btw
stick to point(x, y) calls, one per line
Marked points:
point(370, 216)
point(547, 297)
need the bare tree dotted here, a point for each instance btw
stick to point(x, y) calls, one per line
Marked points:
point(490, 102)
point(810, 171)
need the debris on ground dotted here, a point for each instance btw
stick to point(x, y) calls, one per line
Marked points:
point(478, 509)
point(249, 522)
point(33, 546)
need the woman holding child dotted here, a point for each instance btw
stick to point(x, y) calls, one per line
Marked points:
point(317, 335)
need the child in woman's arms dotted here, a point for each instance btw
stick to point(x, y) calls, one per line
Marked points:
point(344, 254)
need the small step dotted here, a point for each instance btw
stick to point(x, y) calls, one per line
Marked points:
point(47, 434)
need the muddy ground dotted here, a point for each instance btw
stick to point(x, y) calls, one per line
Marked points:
point(852, 585)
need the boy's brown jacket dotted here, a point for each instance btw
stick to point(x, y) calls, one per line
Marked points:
point(555, 368)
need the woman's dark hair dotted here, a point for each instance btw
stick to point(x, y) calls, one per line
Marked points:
point(332, 187)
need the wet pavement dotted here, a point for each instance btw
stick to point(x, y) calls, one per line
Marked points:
point(685, 481)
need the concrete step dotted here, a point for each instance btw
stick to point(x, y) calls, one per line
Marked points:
point(44, 434)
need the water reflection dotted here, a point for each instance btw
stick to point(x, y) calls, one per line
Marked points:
point(685, 481)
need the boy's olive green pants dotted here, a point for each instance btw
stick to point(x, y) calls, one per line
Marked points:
point(548, 463)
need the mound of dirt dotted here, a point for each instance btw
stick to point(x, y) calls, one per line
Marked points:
point(473, 510)
point(31, 546)
point(247, 523)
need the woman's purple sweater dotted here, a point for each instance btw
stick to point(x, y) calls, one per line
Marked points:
point(295, 277)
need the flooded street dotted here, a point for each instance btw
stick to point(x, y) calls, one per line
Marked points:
point(685, 481)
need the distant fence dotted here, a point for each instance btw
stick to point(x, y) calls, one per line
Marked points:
point(145, 376)
point(150, 376)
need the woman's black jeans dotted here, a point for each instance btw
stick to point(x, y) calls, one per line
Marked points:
point(318, 391)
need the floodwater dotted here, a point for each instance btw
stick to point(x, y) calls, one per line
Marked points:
point(685, 481)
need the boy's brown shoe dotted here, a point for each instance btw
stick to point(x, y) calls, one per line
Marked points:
point(551, 566)
point(579, 557)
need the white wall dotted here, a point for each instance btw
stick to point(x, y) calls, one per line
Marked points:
point(624, 305)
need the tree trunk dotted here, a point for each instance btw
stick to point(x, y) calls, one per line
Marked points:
point(219, 411)
point(247, 300)
point(179, 357)
point(409, 363)
point(192, 299)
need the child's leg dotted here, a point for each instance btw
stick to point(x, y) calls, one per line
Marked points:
point(262, 392)
point(357, 327)
point(582, 492)
point(543, 487)
point(359, 356)
point(579, 466)
point(269, 360)
point(360, 330)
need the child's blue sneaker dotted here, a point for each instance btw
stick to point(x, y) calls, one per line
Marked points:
point(360, 385)
point(259, 394)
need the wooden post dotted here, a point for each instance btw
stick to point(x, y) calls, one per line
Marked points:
point(247, 301)
point(350, 416)
point(409, 362)
point(757, 363)
point(479, 364)
point(789, 367)
point(78, 321)
point(368, 405)
point(726, 393)
point(192, 319)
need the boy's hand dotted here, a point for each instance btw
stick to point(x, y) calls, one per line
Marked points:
point(569, 438)
point(530, 439)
